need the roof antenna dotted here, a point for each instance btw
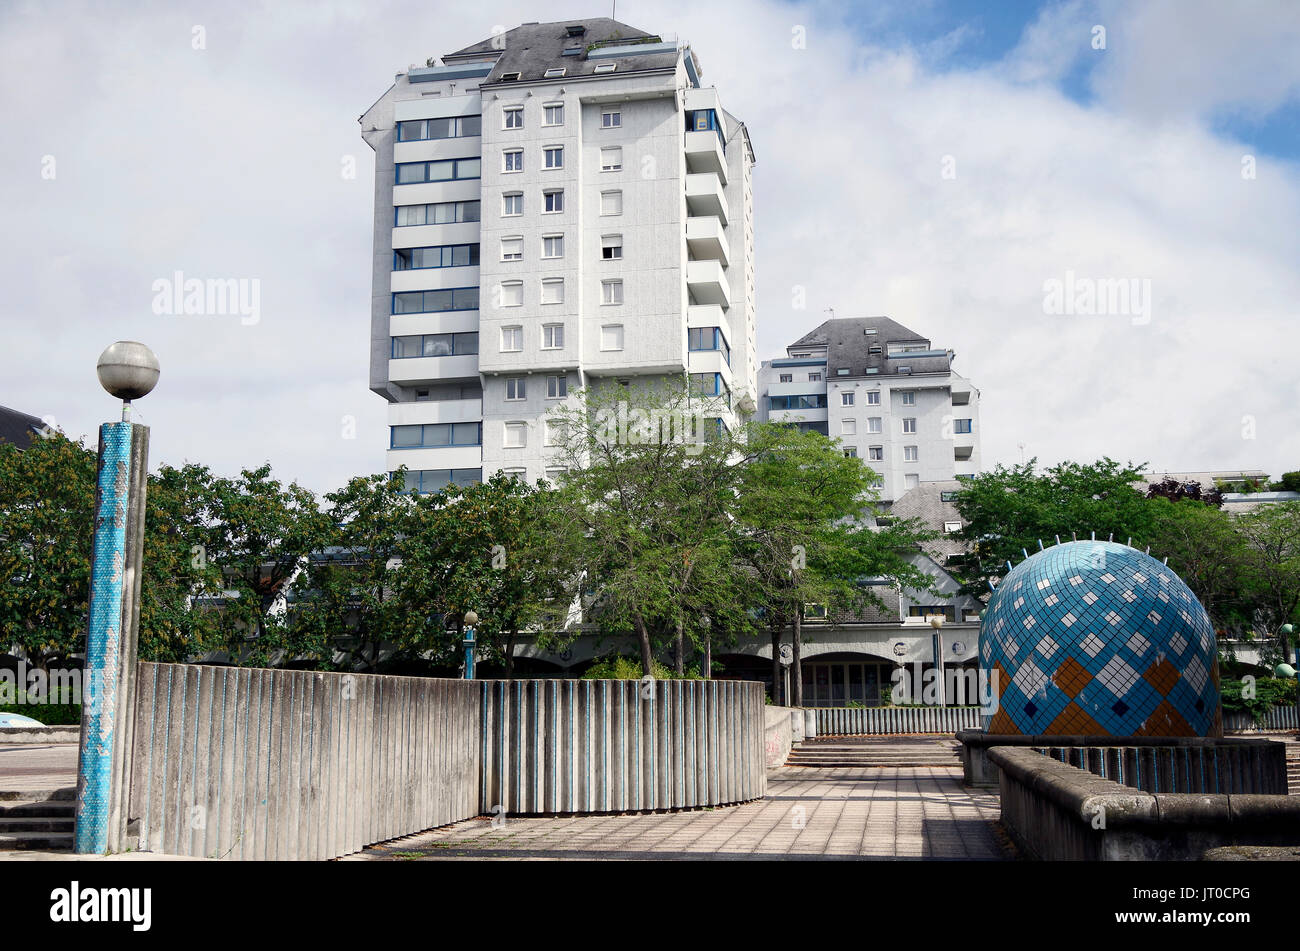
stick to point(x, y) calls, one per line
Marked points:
point(831, 311)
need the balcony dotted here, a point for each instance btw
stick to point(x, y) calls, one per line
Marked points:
point(704, 315)
point(704, 154)
point(707, 283)
point(960, 393)
point(433, 369)
point(435, 411)
point(707, 239)
point(704, 195)
point(963, 449)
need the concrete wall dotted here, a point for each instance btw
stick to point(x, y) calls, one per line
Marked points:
point(782, 728)
point(1058, 812)
point(560, 746)
point(275, 764)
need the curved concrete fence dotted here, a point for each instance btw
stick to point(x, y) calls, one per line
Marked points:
point(561, 746)
point(248, 763)
point(843, 721)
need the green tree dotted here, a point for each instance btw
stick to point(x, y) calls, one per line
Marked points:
point(1271, 578)
point(47, 504)
point(1008, 510)
point(1206, 550)
point(798, 509)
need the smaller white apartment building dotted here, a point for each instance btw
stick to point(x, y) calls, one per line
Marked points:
point(886, 393)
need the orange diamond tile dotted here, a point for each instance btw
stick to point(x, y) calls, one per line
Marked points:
point(1164, 721)
point(1162, 675)
point(1073, 721)
point(1071, 677)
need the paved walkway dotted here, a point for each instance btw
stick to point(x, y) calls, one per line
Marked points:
point(919, 812)
point(32, 766)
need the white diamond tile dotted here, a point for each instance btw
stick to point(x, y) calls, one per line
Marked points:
point(1117, 676)
point(1138, 644)
point(1092, 645)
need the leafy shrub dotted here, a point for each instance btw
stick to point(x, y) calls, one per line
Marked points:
point(629, 668)
point(1269, 692)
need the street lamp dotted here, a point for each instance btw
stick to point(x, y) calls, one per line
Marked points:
point(471, 618)
point(936, 639)
point(1286, 630)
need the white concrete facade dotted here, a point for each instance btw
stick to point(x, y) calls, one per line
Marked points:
point(610, 235)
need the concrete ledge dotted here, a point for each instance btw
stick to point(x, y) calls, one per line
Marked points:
point(39, 734)
point(1056, 811)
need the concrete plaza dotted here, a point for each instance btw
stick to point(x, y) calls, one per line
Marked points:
point(921, 812)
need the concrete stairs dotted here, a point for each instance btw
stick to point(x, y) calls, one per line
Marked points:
point(876, 751)
point(39, 820)
point(1293, 769)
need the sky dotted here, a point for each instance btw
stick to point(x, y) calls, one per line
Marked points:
point(972, 170)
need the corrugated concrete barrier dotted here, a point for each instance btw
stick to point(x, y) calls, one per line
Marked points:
point(1277, 717)
point(276, 764)
point(248, 763)
point(844, 721)
point(561, 746)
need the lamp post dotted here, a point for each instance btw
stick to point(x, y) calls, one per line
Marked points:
point(936, 624)
point(1285, 632)
point(128, 371)
point(471, 618)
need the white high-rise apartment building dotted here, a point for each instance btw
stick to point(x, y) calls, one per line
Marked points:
point(891, 399)
point(559, 205)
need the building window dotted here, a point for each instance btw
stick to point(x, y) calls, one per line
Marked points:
point(512, 339)
point(850, 452)
point(876, 453)
point(447, 255)
point(611, 159)
point(787, 377)
point(512, 160)
point(605, 67)
point(910, 454)
point(512, 249)
point(611, 337)
point(873, 424)
point(909, 425)
point(947, 496)
point(846, 399)
point(513, 116)
point(512, 294)
point(708, 338)
point(611, 119)
point(556, 474)
point(553, 291)
point(814, 377)
point(552, 432)
point(909, 397)
point(552, 245)
point(611, 247)
point(433, 435)
point(553, 113)
point(961, 425)
point(433, 302)
point(450, 128)
point(553, 156)
point(520, 474)
point(849, 427)
point(555, 72)
point(512, 203)
point(446, 170)
point(553, 336)
point(553, 200)
point(434, 345)
point(874, 348)
point(441, 213)
point(516, 435)
point(951, 528)
point(842, 371)
point(873, 397)
point(911, 480)
point(805, 401)
point(611, 292)
point(424, 481)
point(557, 387)
point(611, 203)
point(515, 388)
point(510, 77)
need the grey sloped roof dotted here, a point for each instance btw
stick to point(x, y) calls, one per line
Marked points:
point(18, 428)
point(925, 503)
point(533, 48)
point(849, 345)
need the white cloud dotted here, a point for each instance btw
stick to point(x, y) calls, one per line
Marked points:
point(225, 163)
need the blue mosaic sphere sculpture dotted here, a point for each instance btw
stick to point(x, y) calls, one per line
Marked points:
point(1097, 638)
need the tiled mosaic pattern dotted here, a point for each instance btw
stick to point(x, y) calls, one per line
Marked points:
point(1099, 638)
